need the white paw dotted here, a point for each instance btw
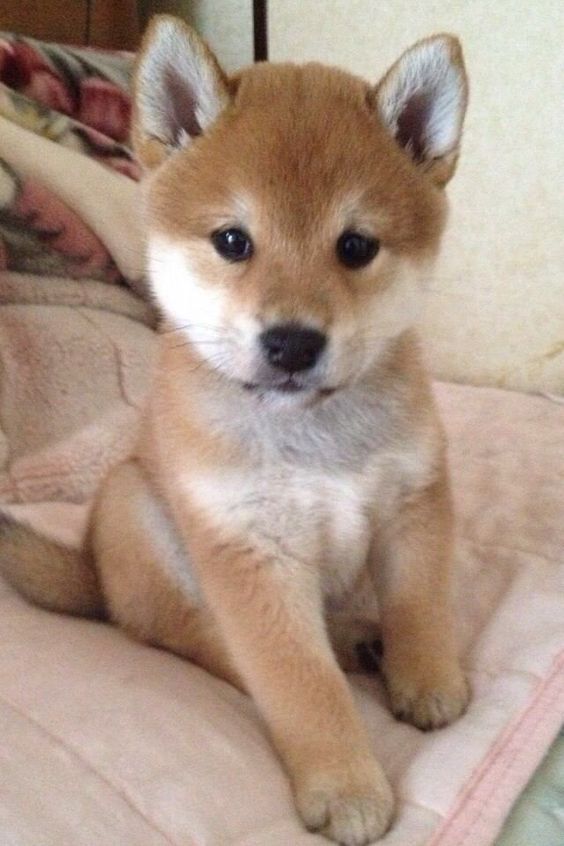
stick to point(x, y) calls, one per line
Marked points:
point(352, 814)
point(429, 703)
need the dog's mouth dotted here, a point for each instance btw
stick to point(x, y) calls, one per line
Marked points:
point(288, 386)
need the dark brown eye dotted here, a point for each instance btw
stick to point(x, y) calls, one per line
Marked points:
point(355, 250)
point(232, 244)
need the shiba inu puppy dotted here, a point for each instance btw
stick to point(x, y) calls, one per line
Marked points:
point(291, 455)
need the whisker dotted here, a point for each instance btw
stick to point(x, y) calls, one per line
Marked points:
point(189, 343)
point(193, 326)
point(212, 363)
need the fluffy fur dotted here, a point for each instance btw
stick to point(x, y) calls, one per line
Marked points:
point(251, 517)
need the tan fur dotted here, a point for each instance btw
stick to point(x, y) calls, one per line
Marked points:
point(240, 525)
point(48, 573)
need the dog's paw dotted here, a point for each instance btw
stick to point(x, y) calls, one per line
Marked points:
point(350, 811)
point(428, 701)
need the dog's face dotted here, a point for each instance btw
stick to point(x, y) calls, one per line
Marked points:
point(287, 226)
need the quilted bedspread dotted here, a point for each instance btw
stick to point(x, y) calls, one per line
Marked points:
point(143, 748)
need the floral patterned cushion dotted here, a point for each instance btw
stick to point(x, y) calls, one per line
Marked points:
point(79, 99)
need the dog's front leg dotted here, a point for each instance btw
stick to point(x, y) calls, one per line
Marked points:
point(412, 564)
point(268, 606)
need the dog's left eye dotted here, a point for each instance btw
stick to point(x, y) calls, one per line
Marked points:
point(355, 250)
point(232, 244)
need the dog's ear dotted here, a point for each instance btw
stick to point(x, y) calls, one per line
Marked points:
point(422, 101)
point(179, 89)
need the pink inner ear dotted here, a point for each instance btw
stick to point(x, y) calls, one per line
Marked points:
point(181, 106)
point(412, 124)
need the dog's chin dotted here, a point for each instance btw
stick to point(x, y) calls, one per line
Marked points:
point(288, 393)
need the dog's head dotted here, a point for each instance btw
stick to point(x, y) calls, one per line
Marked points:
point(291, 208)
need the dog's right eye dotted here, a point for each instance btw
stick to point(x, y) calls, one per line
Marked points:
point(232, 244)
point(355, 250)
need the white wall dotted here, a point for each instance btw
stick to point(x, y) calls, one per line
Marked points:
point(227, 25)
point(496, 315)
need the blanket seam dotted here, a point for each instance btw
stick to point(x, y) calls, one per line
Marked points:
point(485, 766)
point(87, 765)
point(507, 768)
point(116, 353)
point(509, 548)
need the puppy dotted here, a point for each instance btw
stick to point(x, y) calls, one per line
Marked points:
point(291, 456)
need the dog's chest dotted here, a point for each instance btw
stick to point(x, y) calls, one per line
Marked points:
point(298, 517)
point(346, 528)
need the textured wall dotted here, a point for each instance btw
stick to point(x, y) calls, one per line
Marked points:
point(226, 24)
point(496, 314)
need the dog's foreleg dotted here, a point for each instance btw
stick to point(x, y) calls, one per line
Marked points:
point(411, 566)
point(145, 571)
point(269, 609)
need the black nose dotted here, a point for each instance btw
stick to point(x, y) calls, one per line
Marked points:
point(290, 347)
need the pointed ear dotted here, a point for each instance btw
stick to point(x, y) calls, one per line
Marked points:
point(179, 89)
point(422, 101)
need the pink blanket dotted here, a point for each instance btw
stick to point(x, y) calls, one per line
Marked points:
point(74, 338)
point(109, 741)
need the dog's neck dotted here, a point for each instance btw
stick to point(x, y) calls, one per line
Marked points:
point(342, 428)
